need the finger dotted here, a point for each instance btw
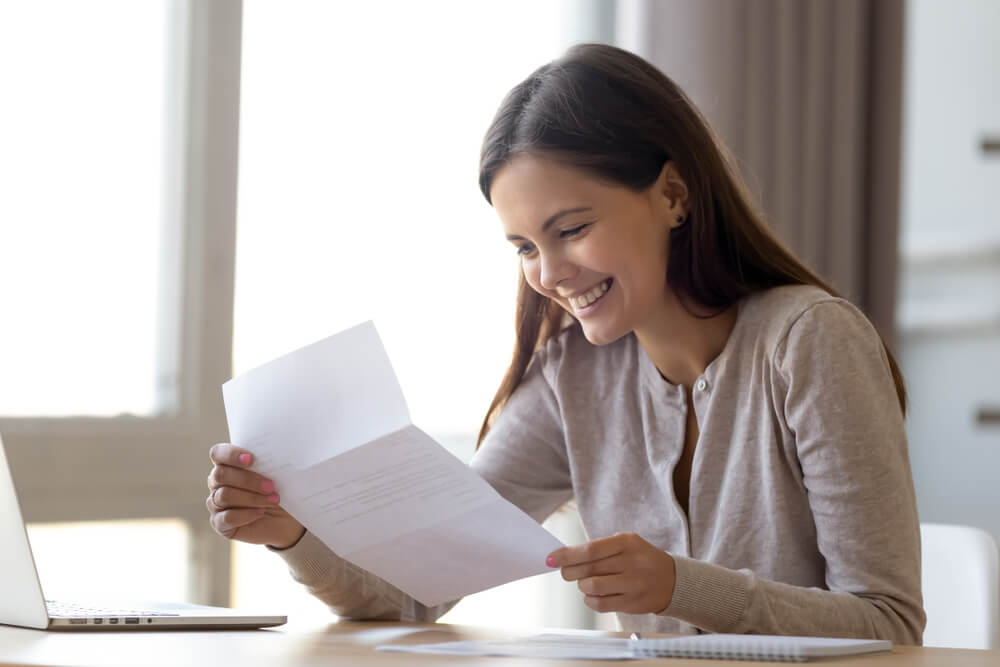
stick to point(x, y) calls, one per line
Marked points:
point(226, 523)
point(588, 552)
point(230, 455)
point(223, 475)
point(605, 603)
point(612, 584)
point(613, 565)
point(227, 497)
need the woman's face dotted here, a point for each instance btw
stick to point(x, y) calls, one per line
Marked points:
point(598, 250)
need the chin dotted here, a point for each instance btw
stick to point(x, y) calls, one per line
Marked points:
point(600, 335)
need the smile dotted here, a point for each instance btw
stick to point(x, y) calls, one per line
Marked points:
point(590, 296)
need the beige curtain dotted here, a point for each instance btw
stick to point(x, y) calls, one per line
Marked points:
point(807, 95)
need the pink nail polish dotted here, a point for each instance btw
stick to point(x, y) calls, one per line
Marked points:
point(267, 486)
point(550, 561)
point(261, 510)
point(245, 459)
point(274, 498)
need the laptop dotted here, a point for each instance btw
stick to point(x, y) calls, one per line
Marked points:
point(23, 603)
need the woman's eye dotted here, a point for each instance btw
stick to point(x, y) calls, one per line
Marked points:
point(525, 250)
point(573, 231)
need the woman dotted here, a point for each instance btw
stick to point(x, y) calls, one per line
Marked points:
point(730, 428)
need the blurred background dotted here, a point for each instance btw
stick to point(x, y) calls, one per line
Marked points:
point(189, 189)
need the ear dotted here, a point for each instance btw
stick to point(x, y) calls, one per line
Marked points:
point(672, 192)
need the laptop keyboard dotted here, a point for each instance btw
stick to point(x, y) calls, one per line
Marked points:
point(68, 610)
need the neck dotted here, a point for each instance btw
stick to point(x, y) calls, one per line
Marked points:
point(682, 341)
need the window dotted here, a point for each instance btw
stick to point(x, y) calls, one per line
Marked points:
point(116, 239)
point(82, 167)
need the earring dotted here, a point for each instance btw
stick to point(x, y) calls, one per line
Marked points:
point(681, 219)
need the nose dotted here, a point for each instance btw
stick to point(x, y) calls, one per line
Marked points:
point(554, 268)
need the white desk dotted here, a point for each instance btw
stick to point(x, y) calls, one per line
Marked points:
point(350, 643)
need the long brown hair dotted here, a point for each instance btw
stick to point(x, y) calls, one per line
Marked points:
point(610, 113)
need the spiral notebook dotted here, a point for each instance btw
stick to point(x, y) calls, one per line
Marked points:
point(719, 646)
point(756, 647)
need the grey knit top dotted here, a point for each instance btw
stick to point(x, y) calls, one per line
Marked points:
point(801, 518)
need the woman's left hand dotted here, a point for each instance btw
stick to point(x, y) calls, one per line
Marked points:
point(619, 573)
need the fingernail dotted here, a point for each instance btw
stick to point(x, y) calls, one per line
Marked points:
point(245, 459)
point(261, 510)
point(267, 486)
point(274, 498)
point(550, 561)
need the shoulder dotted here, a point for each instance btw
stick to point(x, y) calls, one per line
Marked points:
point(781, 306)
point(779, 316)
point(803, 327)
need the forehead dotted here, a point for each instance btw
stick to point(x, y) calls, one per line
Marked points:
point(530, 188)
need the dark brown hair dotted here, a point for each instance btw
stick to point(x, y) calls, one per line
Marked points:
point(610, 113)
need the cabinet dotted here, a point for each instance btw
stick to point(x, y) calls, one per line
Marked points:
point(949, 307)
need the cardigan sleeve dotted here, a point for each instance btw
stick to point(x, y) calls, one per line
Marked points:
point(841, 407)
point(350, 591)
point(522, 458)
point(524, 455)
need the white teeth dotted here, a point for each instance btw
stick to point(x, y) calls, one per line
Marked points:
point(590, 296)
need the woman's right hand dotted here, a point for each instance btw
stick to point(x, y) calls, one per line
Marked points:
point(244, 505)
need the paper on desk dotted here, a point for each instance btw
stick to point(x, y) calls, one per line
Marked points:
point(329, 424)
point(561, 646)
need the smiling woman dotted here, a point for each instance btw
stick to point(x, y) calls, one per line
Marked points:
point(728, 425)
point(712, 350)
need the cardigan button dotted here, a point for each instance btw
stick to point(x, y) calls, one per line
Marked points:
point(701, 385)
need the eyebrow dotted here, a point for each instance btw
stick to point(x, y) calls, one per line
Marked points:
point(551, 220)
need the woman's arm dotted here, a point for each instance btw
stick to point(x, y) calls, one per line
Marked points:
point(348, 590)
